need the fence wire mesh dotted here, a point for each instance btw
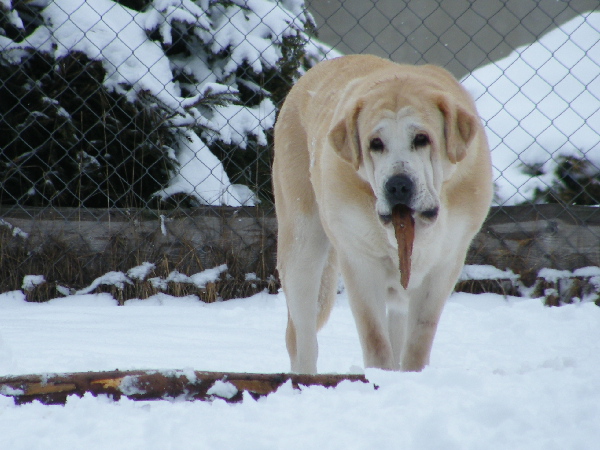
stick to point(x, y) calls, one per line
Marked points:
point(136, 135)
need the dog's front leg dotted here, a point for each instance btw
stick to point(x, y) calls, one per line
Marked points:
point(396, 327)
point(424, 311)
point(365, 282)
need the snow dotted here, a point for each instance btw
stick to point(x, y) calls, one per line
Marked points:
point(107, 31)
point(142, 271)
point(11, 16)
point(540, 103)
point(486, 272)
point(248, 121)
point(31, 281)
point(16, 231)
point(505, 373)
point(223, 389)
point(113, 278)
point(553, 275)
point(590, 271)
point(200, 173)
point(208, 276)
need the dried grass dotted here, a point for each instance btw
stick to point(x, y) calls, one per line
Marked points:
point(66, 268)
point(69, 268)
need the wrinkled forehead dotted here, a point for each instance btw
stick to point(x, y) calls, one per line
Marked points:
point(387, 122)
point(378, 121)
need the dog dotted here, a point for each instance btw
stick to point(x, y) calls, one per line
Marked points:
point(356, 136)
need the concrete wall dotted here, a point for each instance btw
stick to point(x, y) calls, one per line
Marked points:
point(458, 34)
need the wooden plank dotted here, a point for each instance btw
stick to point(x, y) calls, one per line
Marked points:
point(157, 385)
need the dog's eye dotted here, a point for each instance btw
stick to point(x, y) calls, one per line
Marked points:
point(376, 145)
point(420, 140)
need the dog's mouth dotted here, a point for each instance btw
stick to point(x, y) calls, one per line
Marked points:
point(428, 216)
point(386, 219)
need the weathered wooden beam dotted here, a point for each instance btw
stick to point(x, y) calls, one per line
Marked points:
point(158, 385)
point(528, 238)
point(523, 238)
point(210, 232)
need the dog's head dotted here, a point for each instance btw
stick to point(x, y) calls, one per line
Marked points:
point(405, 138)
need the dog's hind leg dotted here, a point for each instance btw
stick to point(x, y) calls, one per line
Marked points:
point(303, 268)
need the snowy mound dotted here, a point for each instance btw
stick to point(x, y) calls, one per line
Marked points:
point(540, 103)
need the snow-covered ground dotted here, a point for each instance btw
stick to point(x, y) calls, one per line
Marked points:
point(505, 373)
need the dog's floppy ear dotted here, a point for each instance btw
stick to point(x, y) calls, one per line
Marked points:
point(344, 137)
point(460, 128)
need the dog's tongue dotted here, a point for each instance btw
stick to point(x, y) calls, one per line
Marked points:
point(404, 227)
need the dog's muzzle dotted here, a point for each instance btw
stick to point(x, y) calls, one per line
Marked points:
point(400, 190)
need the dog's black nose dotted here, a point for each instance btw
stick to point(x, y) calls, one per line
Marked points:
point(399, 190)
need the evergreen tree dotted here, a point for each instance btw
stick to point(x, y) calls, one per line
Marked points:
point(107, 103)
point(576, 182)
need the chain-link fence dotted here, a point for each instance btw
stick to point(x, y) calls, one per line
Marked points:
point(136, 135)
